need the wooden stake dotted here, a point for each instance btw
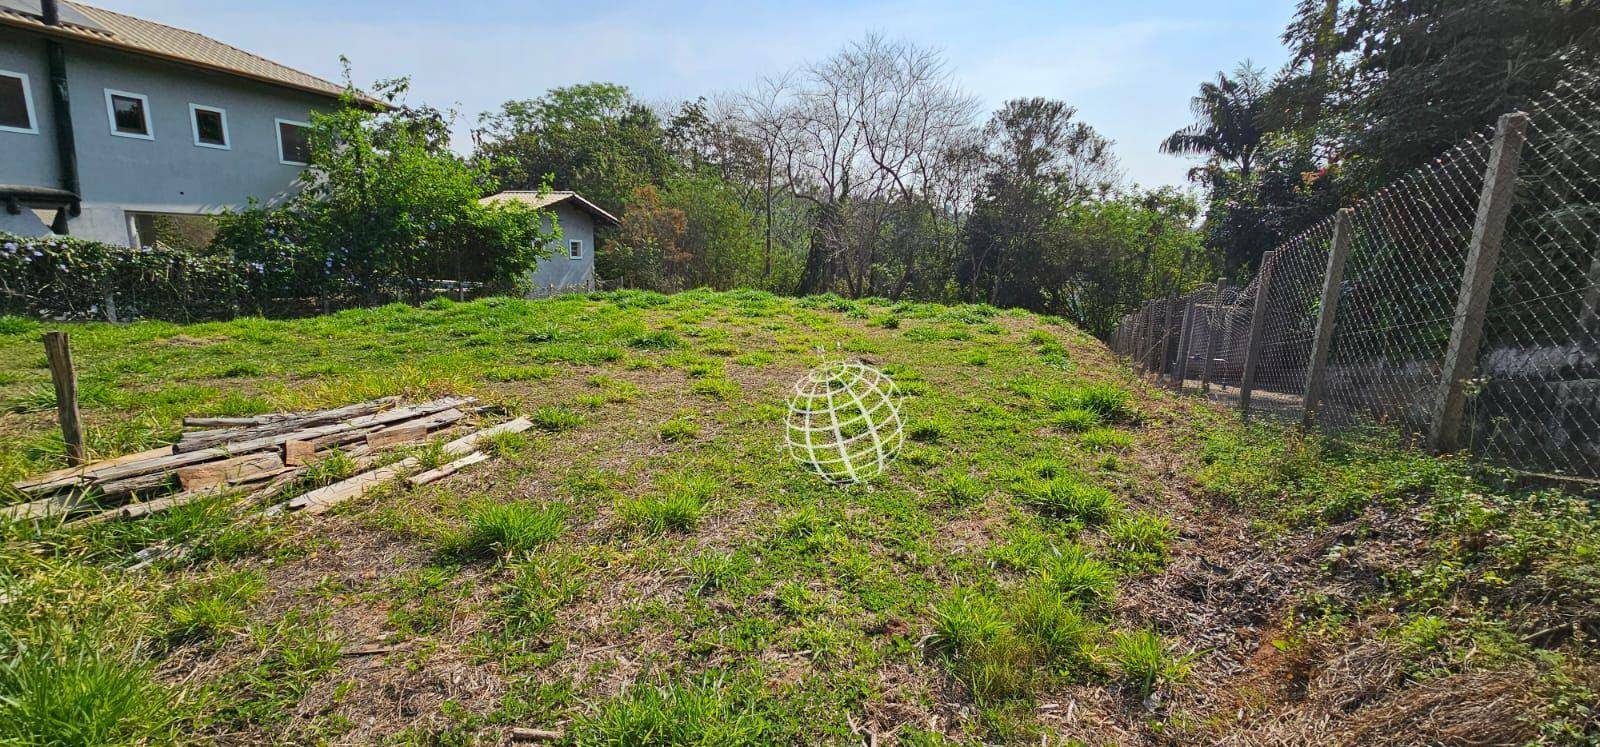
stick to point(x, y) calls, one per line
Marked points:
point(57, 349)
point(1483, 254)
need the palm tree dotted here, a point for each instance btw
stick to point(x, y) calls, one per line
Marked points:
point(1229, 126)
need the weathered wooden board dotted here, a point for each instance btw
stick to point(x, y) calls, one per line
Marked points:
point(299, 453)
point(114, 474)
point(64, 477)
point(325, 498)
point(228, 470)
point(446, 470)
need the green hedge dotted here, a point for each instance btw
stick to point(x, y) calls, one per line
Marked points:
point(66, 278)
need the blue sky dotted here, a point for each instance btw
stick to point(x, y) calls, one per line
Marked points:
point(1130, 67)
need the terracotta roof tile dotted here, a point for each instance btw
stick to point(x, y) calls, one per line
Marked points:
point(159, 40)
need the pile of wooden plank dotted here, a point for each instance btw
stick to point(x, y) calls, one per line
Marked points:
point(260, 457)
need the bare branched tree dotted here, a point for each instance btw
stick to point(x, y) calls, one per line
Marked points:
point(852, 135)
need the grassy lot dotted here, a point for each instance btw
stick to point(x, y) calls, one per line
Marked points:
point(1061, 553)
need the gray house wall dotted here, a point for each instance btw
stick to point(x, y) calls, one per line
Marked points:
point(557, 272)
point(169, 174)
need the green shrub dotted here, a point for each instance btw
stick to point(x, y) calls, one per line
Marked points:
point(62, 277)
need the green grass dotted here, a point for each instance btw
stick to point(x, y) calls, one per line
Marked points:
point(74, 693)
point(510, 528)
point(649, 566)
point(1145, 661)
point(675, 505)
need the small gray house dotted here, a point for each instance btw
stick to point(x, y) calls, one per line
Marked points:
point(571, 266)
point(108, 122)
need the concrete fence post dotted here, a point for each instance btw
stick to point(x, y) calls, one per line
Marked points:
point(1169, 338)
point(1180, 368)
point(1477, 280)
point(1214, 327)
point(1327, 313)
point(1258, 325)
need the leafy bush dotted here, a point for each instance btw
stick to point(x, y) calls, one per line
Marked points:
point(67, 278)
point(383, 210)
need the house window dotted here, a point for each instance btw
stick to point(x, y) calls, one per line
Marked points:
point(210, 126)
point(293, 147)
point(129, 114)
point(575, 249)
point(16, 104)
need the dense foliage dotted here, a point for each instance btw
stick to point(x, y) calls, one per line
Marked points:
point(868, 173)
point(66, 278)
point(384, 211)
point(1373, 90)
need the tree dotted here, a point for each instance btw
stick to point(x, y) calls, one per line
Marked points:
point(593, 138)
point(1229, 124)
point(851, 135)
point(383, 210)
point(1039, 161)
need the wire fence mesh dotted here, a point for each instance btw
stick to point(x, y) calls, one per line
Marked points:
point(1534, 400)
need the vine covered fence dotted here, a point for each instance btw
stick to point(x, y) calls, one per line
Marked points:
point(1459, 305)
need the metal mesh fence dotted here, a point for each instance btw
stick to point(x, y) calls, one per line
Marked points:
point(1534, 400)
point(1537, 395)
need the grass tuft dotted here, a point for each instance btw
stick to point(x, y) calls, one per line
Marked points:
point(554, 419)
point(510, 528)
point(1145, 661)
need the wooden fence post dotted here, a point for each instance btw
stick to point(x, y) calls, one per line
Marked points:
point(1214, 329)
point(59, 352)
point(1477, 279)
point(1180, 368)
point(1258, 325)
point(1327, 312)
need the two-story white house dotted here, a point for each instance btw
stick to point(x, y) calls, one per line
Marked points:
point(107, 121)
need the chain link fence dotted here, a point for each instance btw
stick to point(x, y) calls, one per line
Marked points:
point(1455, 318)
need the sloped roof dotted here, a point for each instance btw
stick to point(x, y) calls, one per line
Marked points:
point(106, 28)
point(546, 199)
